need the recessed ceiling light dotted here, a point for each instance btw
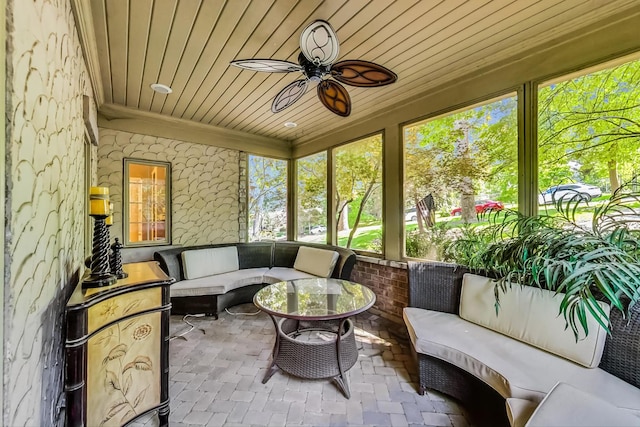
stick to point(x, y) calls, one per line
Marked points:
point(160, 88)
point(290, 124)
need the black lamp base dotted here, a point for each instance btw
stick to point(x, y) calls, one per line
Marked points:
point(99, 280)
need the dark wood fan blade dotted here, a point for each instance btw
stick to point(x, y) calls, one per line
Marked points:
point(290, 94)
point(319, 43)
point(267, 65)
point(335, 97)
point(362, 73)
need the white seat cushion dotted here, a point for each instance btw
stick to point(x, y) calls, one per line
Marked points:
point(282, 274)
point(318, 262)
point(218, 284)
point(519, 411)
point(511, 367)
point(530, 314)
point(207, 262)
point(566, 405)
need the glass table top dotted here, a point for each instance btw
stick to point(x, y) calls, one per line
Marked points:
point(317, 299)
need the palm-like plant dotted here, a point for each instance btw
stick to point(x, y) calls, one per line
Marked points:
point(587, 261)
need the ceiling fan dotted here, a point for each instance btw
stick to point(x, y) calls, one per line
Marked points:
point(319, 48)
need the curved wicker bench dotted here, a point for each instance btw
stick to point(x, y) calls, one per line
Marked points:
point(436, 286)
point(276, 258)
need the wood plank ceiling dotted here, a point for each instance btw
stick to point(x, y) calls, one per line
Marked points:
point(188, 44)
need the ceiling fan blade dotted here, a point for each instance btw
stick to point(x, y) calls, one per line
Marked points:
point(319, 43)
point(267, 65)
point(335, 97)
point(362, 73)
point(290, 94)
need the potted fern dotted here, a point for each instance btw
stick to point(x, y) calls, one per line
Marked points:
point(596, 259)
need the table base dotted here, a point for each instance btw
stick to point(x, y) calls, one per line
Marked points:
point(318, 358)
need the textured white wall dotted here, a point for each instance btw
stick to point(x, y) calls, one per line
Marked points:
point(46, 80)
point(204, 184)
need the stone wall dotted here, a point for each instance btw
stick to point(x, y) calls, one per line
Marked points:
point(204, 184)
point(388, 280)
point(46, 81)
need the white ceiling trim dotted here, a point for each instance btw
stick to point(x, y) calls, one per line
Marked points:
point(117, 117)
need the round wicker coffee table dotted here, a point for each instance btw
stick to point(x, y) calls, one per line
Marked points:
point(314, 336)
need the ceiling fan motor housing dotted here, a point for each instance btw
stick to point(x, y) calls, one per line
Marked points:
point(314, 72)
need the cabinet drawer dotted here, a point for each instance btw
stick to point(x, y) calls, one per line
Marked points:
point(125, 305)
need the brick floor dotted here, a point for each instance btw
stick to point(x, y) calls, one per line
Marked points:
point(216, 380)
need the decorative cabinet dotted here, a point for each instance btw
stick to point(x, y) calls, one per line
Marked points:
point(117, 349)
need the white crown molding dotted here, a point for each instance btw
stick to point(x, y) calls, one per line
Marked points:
point(117, 117)
point(86, 33)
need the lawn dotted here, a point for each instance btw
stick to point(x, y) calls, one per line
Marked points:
point(369, 237)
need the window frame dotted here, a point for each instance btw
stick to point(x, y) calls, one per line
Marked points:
point(517, 93)
point(296, 195)
point(288, 196)
point(127, 161)
point(332, 226)
point(526, 91)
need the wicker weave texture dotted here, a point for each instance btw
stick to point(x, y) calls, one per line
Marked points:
point(435, 286)
point(621, 356)
point(314, 360)
point(485, 404)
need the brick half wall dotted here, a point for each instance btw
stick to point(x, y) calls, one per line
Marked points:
point(388, 280)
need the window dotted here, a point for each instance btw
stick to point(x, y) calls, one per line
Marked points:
point(267, 198)
point(358, 194)
point(312, 198)
point(458, 169)
point(588, 145)
point(147, 202)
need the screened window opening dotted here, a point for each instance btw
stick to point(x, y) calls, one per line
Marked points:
point(588, 141)
point(459, 169)
point(267, 205)
point(358, 194)
point(312, 198)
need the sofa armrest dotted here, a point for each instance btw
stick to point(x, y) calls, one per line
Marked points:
point(170, 262)
point(435, 286)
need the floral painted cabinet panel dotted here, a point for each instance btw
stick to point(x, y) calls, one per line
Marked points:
point(123, 371)
point(117, 349)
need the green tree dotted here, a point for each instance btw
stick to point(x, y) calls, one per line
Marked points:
point(423, 172)
point(463, 154)
point(358, 171)
point(267, 197)
point(312, 190)
point(589, 127)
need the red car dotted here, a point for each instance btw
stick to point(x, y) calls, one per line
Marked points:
point(481, 206)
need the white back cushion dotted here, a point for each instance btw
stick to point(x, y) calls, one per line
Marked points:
point(319, 262)
point(530, 314)
point(207, 262)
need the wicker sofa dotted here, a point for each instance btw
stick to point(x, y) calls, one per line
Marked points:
point(210, 278)
point(505, 381)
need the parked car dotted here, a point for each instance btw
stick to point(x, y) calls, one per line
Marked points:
point(566, 191)
point(410, 215)
point(481, 206)
point(318, 229)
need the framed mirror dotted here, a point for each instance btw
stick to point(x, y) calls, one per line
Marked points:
point(146, 203)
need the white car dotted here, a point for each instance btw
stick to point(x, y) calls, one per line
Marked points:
point(410, 215)
point(567, 191)
point(318, 229)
